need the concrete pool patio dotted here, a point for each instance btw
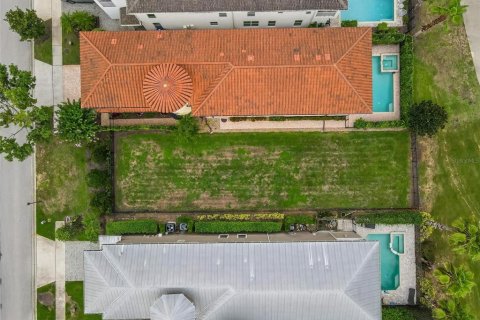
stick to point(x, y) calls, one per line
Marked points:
point(408, 273)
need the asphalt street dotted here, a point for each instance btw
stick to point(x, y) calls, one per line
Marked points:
point(16, 189)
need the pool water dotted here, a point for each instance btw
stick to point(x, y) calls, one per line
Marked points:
point(390, 62)
point(397, 243)
point(369, 10)
point(382, 87)
point(389, 262)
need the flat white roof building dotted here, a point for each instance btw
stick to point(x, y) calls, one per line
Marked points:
point(222, 14)
point(294, 280)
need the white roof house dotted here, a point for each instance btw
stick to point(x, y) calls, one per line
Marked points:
point(294, 280)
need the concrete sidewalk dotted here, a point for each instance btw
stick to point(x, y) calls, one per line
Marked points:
point(472, 26)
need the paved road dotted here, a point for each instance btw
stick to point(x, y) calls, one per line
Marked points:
point(16, 189)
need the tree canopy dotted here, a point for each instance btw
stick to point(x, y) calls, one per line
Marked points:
point(427, 118)
point(19, 113)
point(453, 10)
point(75, 124)
point(26, 23)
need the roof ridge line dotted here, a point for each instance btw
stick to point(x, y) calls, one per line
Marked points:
point(351, 85)
point(216, 86)
point(353, 46)
point(94, 87)
point(364, 262)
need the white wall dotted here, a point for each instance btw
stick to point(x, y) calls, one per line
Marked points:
point(112, 11)
point(202, 20)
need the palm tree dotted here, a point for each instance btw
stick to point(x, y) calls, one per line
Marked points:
point(452, 309)
point(453, 11)
point(466, 238)
point(458, 281)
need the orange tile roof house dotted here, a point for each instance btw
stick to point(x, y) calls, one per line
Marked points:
point(247, 72)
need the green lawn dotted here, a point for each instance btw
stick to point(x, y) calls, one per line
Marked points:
point(263, 171)
point(74, 302)
point(71, 48)
point(43, 312)
point(61, 184)
point(450, 169)
point(43, 46)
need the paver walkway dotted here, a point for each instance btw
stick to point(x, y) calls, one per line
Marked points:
point(59, 276)
point(472, 25)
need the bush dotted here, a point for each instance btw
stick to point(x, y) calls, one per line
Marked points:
point(101, 153)
point(396, 313)
point(427, 118)
point(401, 217)
point(298, 219)
point(383, 34)
point(234, 227)
point(406, 77)
point(349, 23)
point(187, 128)
point(78, 21)
point(102, 200)
point(71, 230)
point(132, 227)
point(240, 217)
point(97, 178)
point(364, 124)
point(188, 220)
point(43, 125)
point(26, 23)
point(75, 124)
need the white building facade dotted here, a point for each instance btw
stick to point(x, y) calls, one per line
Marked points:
point(223, 14)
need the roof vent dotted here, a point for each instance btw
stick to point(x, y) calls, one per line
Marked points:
point(296, 57)
point(113, 41)
point(244, 51)
point(318, 57)
point(250, 57)
point(327, 56)
point(221, 54)
point(140, 47)
point(159, 35)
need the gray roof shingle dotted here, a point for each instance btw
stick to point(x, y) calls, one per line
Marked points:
point(294, 280)
point(152, 6)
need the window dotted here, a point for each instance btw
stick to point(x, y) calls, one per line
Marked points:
point(250, 23)
point(280, 11)
point(222, 14)
point(158, 26)
point(298, 22)
point(151, 15)
point(309, 12)
point(272, 23)
point(251, 14)
point(214, 23)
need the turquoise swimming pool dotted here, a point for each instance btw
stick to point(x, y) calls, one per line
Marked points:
point(382, 87)
point(389, 262)
point(369, 10)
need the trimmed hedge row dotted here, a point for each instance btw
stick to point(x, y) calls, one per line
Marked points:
point(364, 124)
point(298, 219)
point(406, 77)
point(237, 226)
point(349, 23)
point(132, 227)
point(405, 217)
point(286, 118)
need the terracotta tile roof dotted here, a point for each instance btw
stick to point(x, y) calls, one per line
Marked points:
point(233, 72)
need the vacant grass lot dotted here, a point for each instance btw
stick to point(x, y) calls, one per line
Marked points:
point(450, 181)
point(263, 170)
point(61, 184)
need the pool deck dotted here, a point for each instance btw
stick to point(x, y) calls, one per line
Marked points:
point(407, 262)
point(383, 116)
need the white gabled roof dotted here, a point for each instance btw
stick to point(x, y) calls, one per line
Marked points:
point(294, 280)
